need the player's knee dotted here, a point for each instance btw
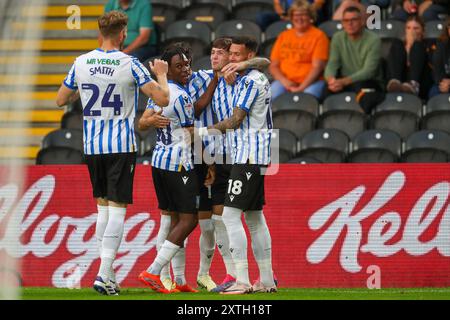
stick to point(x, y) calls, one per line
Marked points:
point(253, 218)
point(229, 216)
point(189, 223)
point(206, 225)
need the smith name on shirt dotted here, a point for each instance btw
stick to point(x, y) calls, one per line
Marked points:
point(103, 70)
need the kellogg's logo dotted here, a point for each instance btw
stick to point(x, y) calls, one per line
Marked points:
point(44, 242)
point(422, 215)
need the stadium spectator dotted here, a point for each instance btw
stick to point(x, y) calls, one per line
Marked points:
point(344, 4)
point(281, 9)
point(299, 54)
point(111, 159)
point(341, 5)
point(407, 67)
point(141, 35)
point(441, 63)
point(427, 9)
point(354, 62)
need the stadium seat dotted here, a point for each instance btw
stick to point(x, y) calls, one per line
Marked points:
point(399, 112)
point(165, 12)
point(212, 12)
point(249, 9)
point(59, 155)
point(437, 113)
point(304, 160)
point(341, 111)
point(433, 29)
point(391, 29)
point(69, 138)
point(234, 28)
point(272, 32)
point(72, 120)
point(375, 146)
point(386, 44)
point(326, 145)
point(295, 112)
point(287, 145)
point(427, 146)
point(330, 27)
point(203, 63)
point(197, 34)
point(148, 143)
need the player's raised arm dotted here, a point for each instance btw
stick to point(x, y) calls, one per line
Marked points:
point(66, 96)
point(68, 92)
point(158, 90)
point(207, 96)
point(254, 63)
point(233, 122)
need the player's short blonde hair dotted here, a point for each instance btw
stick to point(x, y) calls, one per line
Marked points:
point(302, 5)
point(112, 23)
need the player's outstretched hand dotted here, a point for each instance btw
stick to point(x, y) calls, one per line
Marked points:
point(158, 120)
point(233, 67)
point(230, 77)
point(159, 67)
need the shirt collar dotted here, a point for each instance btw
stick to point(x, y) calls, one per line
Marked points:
point(108, 51)
point(131, 5)
point(178, 85)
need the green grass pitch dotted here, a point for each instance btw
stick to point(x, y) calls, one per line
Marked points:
point(283, 294)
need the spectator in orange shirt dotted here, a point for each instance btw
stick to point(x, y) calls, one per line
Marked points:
point(300, 54)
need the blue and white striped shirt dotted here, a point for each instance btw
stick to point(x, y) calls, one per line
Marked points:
point(197, 86)
point(252, 140)
point(222, 106)
point(172, 152)
point(109, 89)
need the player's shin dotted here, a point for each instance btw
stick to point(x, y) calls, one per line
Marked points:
point(261, 245)
point(207, 245)
point(100, 226)
point(179, 266)
point(111, 240)
point(223, 244)
point(167, 252)
point(163, 231)
point(238, 243)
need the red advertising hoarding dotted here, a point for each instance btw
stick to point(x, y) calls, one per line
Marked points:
point(334, 225)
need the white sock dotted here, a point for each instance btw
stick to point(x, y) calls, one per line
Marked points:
point(238, 242)
point(178, 263)
point(111, 240)
point(207, 245)
point(100, 226)
point(261, 245)
point(102, 221)
point(164, 229)
point(165, 254)
point(179, 266)
point(223, 244)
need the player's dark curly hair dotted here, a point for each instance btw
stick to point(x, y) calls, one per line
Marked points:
point(177, 48)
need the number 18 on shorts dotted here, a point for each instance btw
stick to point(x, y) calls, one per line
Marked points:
point(245, 187)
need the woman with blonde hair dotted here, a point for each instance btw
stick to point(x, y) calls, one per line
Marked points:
point(300, 54)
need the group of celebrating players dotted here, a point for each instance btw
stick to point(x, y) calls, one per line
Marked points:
point(225, 110)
